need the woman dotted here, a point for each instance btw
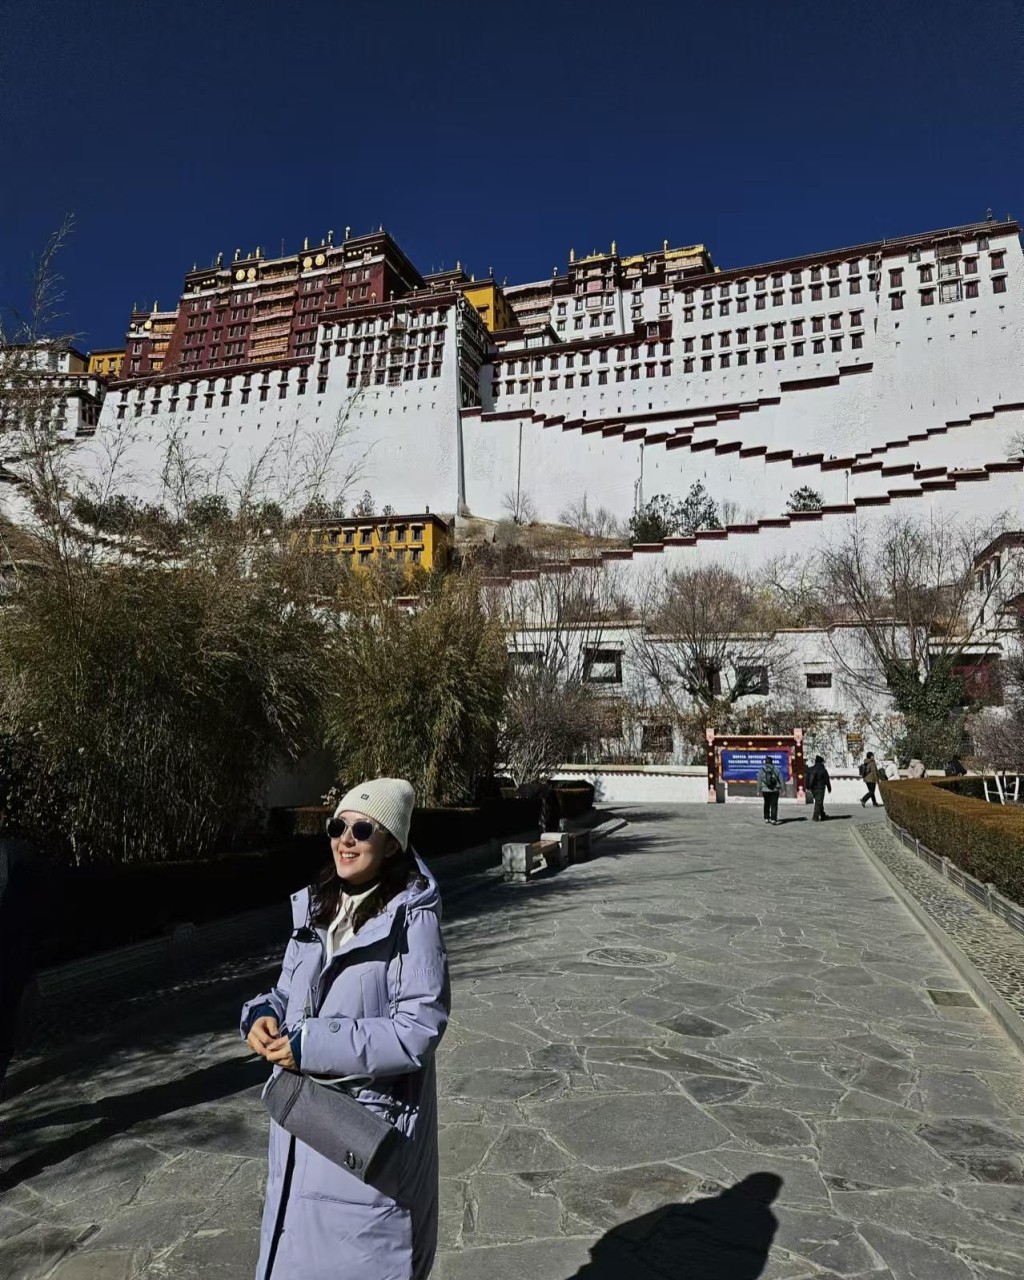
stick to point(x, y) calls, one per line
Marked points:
point(363, 992)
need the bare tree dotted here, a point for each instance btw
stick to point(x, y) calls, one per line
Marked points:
point(704, 645)
point(599, 523)
point(555, 622)
point(519, 506)
point(911, 589)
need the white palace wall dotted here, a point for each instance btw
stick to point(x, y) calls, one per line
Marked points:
point(883, 374)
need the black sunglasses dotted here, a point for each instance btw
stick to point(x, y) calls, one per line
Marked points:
point(362, 828)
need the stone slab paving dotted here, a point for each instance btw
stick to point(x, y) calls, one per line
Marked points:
point(995, 949)
point(714, 1051)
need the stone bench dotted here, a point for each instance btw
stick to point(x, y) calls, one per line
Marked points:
point(554, 849)
point(520, 861)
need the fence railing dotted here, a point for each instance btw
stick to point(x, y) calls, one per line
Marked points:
point(986, 895)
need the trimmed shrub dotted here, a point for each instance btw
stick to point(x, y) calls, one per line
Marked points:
point(574, 798)
point(434, 832)
point(985, 840)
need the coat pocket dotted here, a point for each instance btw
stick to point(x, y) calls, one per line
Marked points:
point(373, 986)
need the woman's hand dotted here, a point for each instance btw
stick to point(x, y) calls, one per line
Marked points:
point(262, 1034)
point(279, 1051)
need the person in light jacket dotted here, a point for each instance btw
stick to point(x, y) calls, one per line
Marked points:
point(363, 992)
point(869, 772)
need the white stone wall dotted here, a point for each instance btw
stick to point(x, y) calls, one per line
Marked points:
point(400, 441)
point(929, 365)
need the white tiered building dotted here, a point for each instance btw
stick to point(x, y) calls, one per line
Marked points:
point(882, 375)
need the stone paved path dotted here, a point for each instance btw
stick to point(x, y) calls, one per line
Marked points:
point(718, 1051)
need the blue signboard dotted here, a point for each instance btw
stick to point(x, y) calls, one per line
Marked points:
point(744, 766)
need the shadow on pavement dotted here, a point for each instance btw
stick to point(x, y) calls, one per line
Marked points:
point(109, 1117)
point(725, 1237)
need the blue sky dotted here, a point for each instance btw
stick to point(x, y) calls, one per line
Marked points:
point(498, 134)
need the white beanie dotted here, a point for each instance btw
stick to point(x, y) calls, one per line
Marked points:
point(388, 801)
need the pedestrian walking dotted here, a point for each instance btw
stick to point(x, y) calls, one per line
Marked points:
point(19, 901)
point(362, 1002)
point(818, 782)
point(769, 784)
point(869, 772)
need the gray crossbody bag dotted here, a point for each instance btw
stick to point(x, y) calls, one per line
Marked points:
point(327, 1118)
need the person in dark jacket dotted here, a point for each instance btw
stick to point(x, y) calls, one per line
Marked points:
point(818, 782)
point(869, 772)
point(769, 784)
point(955, 768)
point(18, 905)
point(363, 997)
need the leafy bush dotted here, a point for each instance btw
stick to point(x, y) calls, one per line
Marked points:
point(985, 840)
point(662, 517)
point(147, 706)
point(418, 693)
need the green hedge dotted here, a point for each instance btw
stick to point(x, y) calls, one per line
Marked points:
point(434, 832)
point(574, 798)
point(985, 840)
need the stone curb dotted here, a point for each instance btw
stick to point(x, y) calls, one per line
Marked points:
point(983, 990)
point(608, 828)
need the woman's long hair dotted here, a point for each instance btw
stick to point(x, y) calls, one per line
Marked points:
point(398, 872)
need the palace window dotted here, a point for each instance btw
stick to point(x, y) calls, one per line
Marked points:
point(835, 322)
point(949, 291)
point(759, 303)
point(796, 297)
point(982, 242)
point(818, 346)
point(857, 341)
point(780, 353)
point(815, 292)
point(778, 331)
point(723, 308)
point(927, 297)
point(837, 344)
point(602, 666)
point(705, 365)
point(724, 361)
point(798, 348)
point(741, 286)
point(741, 304)
point(999, 284)
point(997, 261)
point(707, 311)
point(819, 679)
point(741, 336)
point(815, 274)
point(761, 356)
point(688, 365)
point(817, 324)
point(741, 357)
point(896, 301)
point(777, 299)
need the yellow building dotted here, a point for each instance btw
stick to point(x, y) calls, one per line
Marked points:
point(491, 304)
point(416, 541)
point(107, 362)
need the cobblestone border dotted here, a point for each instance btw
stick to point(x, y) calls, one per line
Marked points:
point(985, 951)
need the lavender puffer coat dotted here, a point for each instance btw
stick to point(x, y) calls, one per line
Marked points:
point(383, 1007)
